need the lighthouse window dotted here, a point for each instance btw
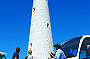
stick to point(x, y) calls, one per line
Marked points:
point(31, 44)
point(47, 24)
point(33, 9)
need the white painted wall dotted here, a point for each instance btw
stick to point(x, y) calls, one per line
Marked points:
point(40, 34)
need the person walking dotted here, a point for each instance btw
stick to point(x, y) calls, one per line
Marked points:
point(16, 54)
point(59, 53)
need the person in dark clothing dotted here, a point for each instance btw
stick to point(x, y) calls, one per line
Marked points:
point(16, 54)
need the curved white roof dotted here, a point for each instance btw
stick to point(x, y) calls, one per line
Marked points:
point(1, 53)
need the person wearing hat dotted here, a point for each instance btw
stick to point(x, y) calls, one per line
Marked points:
point(59, 53)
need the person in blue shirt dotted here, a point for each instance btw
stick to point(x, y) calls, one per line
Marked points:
point(59, 53)
point(16, 54)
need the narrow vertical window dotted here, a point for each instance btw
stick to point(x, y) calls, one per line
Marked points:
point(31, 44)
point(47, 24)
point(33, 9)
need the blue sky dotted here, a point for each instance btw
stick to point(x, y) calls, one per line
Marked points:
point(69, 19)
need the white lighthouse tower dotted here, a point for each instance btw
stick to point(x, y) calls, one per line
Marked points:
point(40, 39)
